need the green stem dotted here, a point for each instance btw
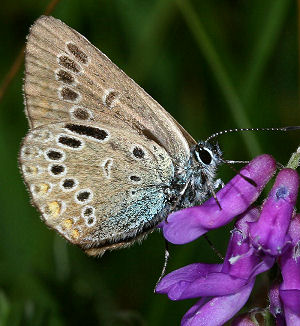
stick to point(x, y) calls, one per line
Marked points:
point(294, 161)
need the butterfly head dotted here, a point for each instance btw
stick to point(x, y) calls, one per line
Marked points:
point(198, 179)
point(206, 156)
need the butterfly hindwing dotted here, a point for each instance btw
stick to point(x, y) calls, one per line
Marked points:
point(92, 184)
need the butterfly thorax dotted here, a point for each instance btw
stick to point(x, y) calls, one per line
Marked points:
point(196, 181)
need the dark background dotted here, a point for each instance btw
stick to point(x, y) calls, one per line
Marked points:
point(213, 65)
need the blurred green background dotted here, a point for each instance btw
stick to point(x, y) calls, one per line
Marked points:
point(213, 65)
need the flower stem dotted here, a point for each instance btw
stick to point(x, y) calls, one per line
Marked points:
point(294, 161)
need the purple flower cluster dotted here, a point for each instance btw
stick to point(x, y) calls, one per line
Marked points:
point(261, 237)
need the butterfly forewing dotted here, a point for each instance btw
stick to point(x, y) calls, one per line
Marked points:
point(92, 184)
point(67, 78)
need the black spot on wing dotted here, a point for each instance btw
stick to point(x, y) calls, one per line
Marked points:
point(83, 196)
point(65, 77)
point(138, 152)
point(81, 114)
point(54, 155)
point(68, 183)
point(69, 141)
point(88, 211)
point(97, 133)
point(110, 98)
point(78, 54)
point(135, 178)
point(57, 169)
point(69, 94)
point(69, 64)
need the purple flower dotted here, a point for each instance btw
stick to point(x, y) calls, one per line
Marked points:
point(225, 288)
point(230, 283)
point(218, 310)
point(190, 223)
point(276, 307)
point(289, 264)
point(270, 232)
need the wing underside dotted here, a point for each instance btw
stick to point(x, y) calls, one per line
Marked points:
point(92, 183)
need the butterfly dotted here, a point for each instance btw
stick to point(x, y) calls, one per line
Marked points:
point(104, 163)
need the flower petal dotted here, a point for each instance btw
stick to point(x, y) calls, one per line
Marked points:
point(294, 229)
point(241, 264)
point(270, 231)
point(177, 281)
point(290, 270)
point(291, 299)
point(215, 284)
point(241, 259)
point(289, 264)
point(218, 310)
point(276, 307)
point(289, 289)
point(291, 318)
point(187, 282)
point(188, 224)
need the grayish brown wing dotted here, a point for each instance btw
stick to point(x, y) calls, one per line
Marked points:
point(67, 78)
point(99, 186)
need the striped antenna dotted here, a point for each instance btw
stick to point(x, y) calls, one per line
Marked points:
point(252, 129)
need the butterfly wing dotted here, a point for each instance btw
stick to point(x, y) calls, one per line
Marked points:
point(92, 183)
point(67, 78)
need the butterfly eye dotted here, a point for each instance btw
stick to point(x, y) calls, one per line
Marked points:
point(203, 155)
